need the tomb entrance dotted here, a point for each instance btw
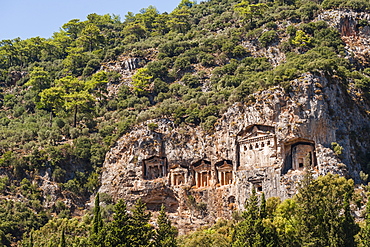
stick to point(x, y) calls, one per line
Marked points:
point(257, 182)
point(299, 154)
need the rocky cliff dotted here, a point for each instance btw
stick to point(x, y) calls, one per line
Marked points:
point(265, 144)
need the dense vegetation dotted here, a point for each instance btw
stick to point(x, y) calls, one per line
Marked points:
point(58, 119)
point(319, 215)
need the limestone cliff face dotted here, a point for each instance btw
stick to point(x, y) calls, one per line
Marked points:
point(354, 32)
point(266, 144)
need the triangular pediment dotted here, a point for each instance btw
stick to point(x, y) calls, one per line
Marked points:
point(255, 129)
point(225, 167)
point(203, 167)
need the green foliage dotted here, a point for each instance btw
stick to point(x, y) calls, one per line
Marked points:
point(301, 39)
point(323, 213)
point(39, 79)
point(251, 231)
point(97, 223)
point(116, 232)
point(338, 149)
point(18, 218)
point(127, 229)
point(250, 11)
point(56, 112)
point(165, 235)
point(267, 38)
point(218, 235)
point(75, 233)
point(152, 126)
point(356, 5)
point(364, 235)
point(141, 81)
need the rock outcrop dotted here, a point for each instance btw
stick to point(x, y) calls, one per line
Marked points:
point(265, 144)
point(354, 28)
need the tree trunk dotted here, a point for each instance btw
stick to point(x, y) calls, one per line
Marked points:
point(51, 119)
point(75, 117)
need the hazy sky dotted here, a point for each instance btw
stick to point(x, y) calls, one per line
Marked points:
point(31, 18)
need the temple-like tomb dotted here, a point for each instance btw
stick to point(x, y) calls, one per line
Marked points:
point(202, 173)
point(257, 147)
point(299, 154)
point(179, 175)
point(224, 172)
point(154, 167)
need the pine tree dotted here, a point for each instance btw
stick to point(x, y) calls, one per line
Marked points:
point(249, 231)
point(323, 212)
point(165, 235)
point(116, 233)
point(139, 229)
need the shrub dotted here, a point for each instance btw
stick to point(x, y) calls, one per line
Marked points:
point(182, 63)
point(191, 80)
point(338, 149)
point(92, 66)
point(209, 124)
point(82, 147)
point(152, 126)
point(331, 4)
point(239, 51)
point(268, 38)
point(357, 5)
point(206, 59)
point(160, 86)
point(58, 174)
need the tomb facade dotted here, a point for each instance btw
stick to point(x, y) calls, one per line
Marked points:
point(257, 147)
point(179, 175)
point(299, 154)
point(202, 173)
point(224, 172)
point(154, 167)
point(257, 182)
point(302, 156)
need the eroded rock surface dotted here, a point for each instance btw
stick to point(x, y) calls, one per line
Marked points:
point(264, 144)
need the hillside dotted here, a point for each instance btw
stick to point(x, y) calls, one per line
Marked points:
point(192, 108)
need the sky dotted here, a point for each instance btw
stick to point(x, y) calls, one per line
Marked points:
point(31, 18)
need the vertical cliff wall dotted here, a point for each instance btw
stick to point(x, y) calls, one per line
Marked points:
point(264, 144)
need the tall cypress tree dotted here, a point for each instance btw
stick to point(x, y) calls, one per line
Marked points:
point(165, 235)
point(97, 223)
point(350, 228)
point(30, 244)
point(269, 234)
